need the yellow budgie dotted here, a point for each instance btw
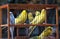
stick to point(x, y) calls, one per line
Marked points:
point(48, 31)
point(38, 20)
point(37, 13)
point(30, 16)
point(21, 18)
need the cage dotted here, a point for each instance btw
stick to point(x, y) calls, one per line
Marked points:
point(29, 8)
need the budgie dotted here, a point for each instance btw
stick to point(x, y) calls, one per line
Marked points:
point(37, 20)
point(37, 13)
point(21, 18)
point(30, 16)
point(48, 31)
point(12, 21)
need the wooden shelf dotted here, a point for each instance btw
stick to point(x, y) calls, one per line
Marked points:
point(28, 25)
point(28, 6)
point(4, 25)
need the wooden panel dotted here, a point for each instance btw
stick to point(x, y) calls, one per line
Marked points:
point(0, 16)
point(31, 6)
point(4, 6)
point(8, 18)
point(0, 23)
point(4, 25)
point(28, 25)
point(21, 37)
point(57, 31)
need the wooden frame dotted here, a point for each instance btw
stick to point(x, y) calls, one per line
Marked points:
point(28, 6)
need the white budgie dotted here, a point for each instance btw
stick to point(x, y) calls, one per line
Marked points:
point(12, 21)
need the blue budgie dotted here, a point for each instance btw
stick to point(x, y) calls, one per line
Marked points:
point(12, 21)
